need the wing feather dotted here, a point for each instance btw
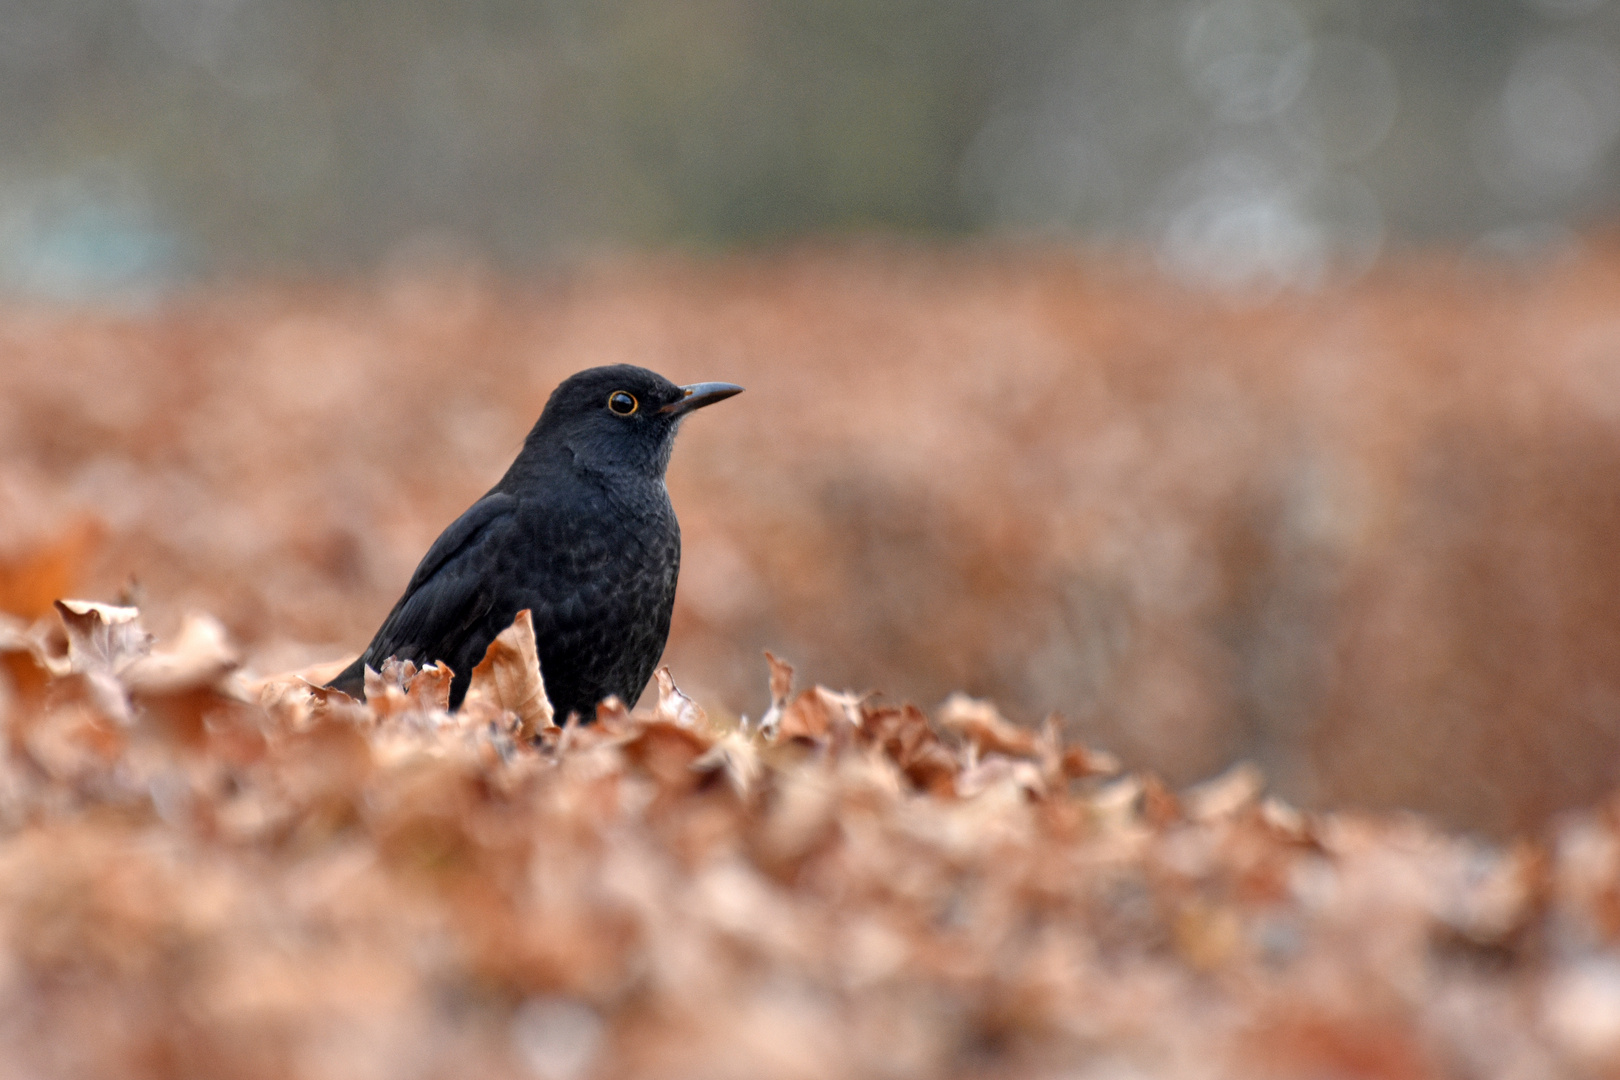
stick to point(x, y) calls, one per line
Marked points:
point(446, 597)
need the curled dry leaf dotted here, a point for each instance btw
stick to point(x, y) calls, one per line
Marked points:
point(429, 689)
point(736, 756)
point(983, 727)
point(103, 641)
point(1224, 795)
point(1079, 762)
point(508, 677)
point(394, 675)
point(1497, 896)
point(1285, 820)
point(673, 706)
point(905, 735)
point(1116, 803)
point(201, 657)
point(818, 714)
point(1160, 806)
point(610, 712)
point(102, 637)
point(669, 752)
point(318, 693)
point(389, 691)
point(74, 741)
point(994, 770)
point(781, 689)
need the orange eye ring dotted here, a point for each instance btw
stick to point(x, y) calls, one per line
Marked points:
point(622, 403)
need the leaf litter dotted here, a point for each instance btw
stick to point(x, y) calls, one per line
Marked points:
point(207, 874)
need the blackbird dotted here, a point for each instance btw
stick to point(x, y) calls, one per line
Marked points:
point(580, 531)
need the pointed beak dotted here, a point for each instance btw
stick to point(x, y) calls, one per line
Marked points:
point(700, 394)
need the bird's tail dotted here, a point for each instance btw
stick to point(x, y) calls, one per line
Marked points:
point(352, 680)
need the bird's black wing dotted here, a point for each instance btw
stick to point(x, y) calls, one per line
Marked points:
point(461, 533)
point(446, 596)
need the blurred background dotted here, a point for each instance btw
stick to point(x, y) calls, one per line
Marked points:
point(151, 141)
point(1237, 379)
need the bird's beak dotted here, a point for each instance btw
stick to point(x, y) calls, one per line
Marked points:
point(700, 394)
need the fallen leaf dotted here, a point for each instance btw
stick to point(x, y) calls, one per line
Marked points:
point(673, 706)
point(993, 770)
point(737, 758)
point(508, 677)
point(905, 735)
point(817, 714)
point(981, 725)
point(1224, 795)
point(201, 656)
point(1079, 762)
point(1160, 806)
point(429, 689)
point(102, 637)
point(386, 689)
point(781, 688)
point(668, 752)
point(104, 640)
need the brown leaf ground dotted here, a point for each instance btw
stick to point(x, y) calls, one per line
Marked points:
point(217, 876)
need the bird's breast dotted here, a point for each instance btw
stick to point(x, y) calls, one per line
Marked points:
point(626, 542)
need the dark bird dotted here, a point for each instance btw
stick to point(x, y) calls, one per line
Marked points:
point(580, 531)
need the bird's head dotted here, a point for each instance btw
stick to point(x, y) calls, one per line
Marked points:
point(620, 417)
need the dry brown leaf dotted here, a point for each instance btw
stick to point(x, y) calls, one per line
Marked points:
point(508, 677)
point(386, 688)
point(429, 689)
point(1160, 806)
point(103, 641)
point(781, 690)
point(103, 637)
point(1286, 821)
point(982, 726)
point(905, 735)
point(669, 752)
point(673, 706)
point(611, 712)
point(1222, 796)
point(800, 817)
point(1117, 803)
point(1498, 897)
point(994, 770)
point(200, 657)
point(74, 741)
point(1079, 762)
point(737, 757)
point(818, 714)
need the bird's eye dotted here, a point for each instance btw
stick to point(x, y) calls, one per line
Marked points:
point(622, 403)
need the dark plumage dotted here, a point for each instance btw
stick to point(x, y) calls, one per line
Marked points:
point(580, 531)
